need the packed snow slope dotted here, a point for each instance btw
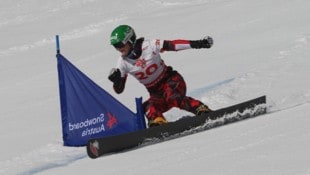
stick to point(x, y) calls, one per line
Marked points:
point(262, 47)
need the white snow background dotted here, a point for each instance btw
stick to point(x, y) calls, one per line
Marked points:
point(261, 47)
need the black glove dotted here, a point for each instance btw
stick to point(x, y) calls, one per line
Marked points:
point(115, 76)
point(206, 42)
point(136, 50)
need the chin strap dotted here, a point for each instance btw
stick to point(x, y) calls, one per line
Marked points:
point(136, 50)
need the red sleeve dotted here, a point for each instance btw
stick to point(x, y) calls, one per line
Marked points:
point(176, 45)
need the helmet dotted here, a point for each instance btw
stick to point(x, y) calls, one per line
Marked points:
point(121, 35)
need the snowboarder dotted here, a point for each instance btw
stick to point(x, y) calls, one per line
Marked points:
point(141, 59)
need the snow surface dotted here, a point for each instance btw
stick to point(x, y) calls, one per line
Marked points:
point(262, 47)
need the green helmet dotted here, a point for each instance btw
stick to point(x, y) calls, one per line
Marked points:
point(122, 34)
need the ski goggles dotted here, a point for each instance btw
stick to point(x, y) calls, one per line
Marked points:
point(119, 45)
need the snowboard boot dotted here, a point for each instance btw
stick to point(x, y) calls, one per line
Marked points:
point(160, 120)
point(202, 109)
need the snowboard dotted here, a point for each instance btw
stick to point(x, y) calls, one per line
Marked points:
point(97, 147)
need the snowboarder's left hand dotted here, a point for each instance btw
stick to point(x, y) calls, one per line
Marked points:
point(206, 42)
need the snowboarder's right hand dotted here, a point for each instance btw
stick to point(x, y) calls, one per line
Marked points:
point(206, 42)
point(115, 75)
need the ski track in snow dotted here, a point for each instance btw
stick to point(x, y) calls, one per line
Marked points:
point(85, 31)
point(42, 159)
point(75, 34)
point(285, 63)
